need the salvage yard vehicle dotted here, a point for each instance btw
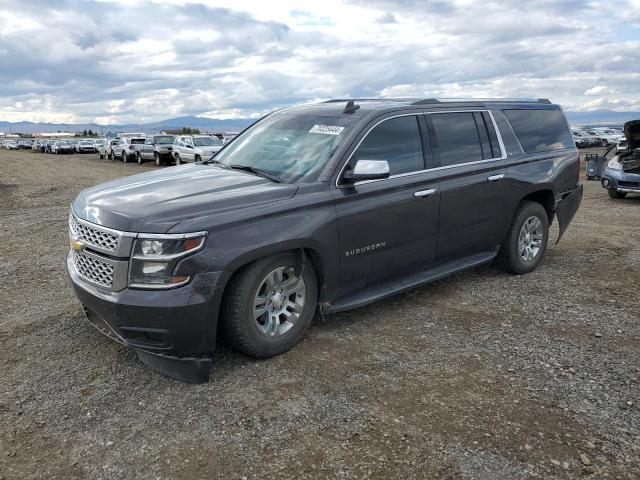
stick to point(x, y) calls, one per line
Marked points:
point(157, 148)
point(86, 146)
point(10, 145)
point(62, 146)
point(621, 176)
point(610, 135)
point(195, 148)
point(621, 145)
point(105, 148)
point(126, 147)
point(25, 144)
point(329, 206)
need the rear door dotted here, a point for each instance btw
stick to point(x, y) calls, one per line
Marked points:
point(474, 213)
point(388, 228)
point(188, 150)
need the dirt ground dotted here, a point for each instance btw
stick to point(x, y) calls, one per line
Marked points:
point(482, 375)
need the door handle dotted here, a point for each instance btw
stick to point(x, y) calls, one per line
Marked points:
point(495, 178)
point(425, 193)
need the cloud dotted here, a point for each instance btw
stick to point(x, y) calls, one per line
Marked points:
point(144, 61)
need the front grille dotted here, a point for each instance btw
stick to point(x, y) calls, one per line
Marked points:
point(622, 183)
point(93, 269)
point(92, 236)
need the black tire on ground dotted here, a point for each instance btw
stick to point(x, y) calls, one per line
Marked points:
point(509, 258)
point(156, 157)
point(197, 158)
point(139, 158)
point(589, 178)
point(125, 157)
point(178, 161)
point(613, 193)
point(239, 328)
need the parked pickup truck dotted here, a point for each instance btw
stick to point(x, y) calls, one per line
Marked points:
point(157, 148)
point(329, 206)
point(127, 148)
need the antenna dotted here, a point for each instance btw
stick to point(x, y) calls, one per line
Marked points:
point(350, 107)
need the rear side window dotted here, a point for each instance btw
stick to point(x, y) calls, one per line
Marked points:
point(397, 141)
point(458, 137)
point(540, 130)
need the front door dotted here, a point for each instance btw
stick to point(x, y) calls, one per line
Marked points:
point(388, 228)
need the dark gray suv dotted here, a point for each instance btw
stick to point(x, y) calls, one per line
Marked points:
point(318, 207)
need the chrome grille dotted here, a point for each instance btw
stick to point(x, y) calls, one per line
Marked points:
point(93, 269)
point(92, 236)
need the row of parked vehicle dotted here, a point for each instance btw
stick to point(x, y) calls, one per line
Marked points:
point(10, 144)
point(599, 137)
point(136, 147)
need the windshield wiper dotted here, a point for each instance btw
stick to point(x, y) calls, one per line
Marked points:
point(256, 171)
point(215, 162)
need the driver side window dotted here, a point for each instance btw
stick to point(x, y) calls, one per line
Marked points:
point(397, 141)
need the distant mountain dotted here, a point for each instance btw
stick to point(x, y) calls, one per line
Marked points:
point(202, 123)
point(234, 125)
point(601, 117)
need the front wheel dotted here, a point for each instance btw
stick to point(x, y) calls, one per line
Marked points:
point(269, 305)
point(178, 161)
point(613, 193)
point(156, 157)
point(125, 158)
point(526, 241)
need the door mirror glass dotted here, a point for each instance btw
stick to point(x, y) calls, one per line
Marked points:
point(368, 170)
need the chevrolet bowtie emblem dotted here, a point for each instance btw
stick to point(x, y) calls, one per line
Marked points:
point(76, 244)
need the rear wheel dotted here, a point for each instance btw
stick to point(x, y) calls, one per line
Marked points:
point(125, 158)
point(526, 241)
point(613, 193)
point(139, 158)
point(198, 159)
point(269, 305)
point(178, 161)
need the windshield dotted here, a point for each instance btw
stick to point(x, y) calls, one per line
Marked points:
point(138, 141)
point(206, 142)
point(164, 139)
point(292, 147)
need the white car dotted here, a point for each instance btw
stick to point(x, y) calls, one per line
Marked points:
point(621, 145)
point(10, 145)
point(610, 135)
point(195, 148)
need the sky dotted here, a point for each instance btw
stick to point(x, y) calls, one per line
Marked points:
point(115, 62)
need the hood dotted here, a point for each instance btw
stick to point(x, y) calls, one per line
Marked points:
point(156, 201)
point(632, 134)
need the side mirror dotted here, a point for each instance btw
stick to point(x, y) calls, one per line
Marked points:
point(367, 170)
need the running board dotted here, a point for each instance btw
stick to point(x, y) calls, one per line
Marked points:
point(388, 289)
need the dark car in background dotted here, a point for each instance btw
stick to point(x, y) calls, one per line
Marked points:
point(320, 207)
point(621, 176)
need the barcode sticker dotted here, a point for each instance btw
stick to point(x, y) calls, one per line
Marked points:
point(327, 129)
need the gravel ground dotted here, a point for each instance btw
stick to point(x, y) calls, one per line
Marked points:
point(482, 375)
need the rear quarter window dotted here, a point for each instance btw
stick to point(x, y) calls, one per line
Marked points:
point(540, 130)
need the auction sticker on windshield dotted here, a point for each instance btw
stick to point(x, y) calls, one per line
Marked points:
point(327, 129)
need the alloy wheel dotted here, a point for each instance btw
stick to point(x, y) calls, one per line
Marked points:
point(279, 302)
point(530, 238)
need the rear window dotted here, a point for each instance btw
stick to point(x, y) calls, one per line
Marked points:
point(138, 141)
point(540, 130)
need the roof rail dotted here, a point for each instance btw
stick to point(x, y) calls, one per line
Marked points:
point(487, 100)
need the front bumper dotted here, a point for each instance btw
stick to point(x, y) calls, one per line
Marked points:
point(621, 181)
point(173, 331)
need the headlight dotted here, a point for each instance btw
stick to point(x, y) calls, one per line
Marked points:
point(155, 258)
point(614, 164)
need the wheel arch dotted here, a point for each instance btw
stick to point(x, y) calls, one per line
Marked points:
point(544, 197)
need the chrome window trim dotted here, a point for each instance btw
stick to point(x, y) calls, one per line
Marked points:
point(503, 150)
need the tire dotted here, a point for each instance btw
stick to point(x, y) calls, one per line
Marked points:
point(156, 157)
point(604, 143)
point(511, 256)
point(125, 157)
point(240, 327)
point(139, 158)
point(589, 177)
point(613, 193)
point(178, 161)
point(197, 158)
